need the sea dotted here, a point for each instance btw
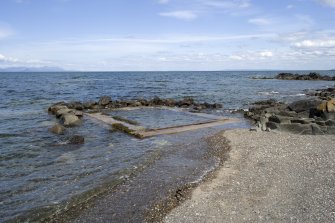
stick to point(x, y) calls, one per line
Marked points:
point(42, 177)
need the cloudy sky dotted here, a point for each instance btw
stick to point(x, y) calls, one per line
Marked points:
point(168, 34)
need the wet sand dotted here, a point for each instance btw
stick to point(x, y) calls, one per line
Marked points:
point(268, 177)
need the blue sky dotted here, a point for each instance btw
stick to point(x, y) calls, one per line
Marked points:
point(104, 35)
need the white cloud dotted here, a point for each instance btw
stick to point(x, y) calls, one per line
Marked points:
point(259, 21)
point(266, 54)
point(183, 14)
point(252, 55)
point(330, 3)
point(315, 43)
point(7, 59)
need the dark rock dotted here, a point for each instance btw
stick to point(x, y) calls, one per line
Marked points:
point(272, 125)
point(156, 101)
point(186, 102)
point(269, 102)
point(286, 76)
point(144, 102)
point(275, 119)
point(321, 123)
point(304, 105)
point(89, 104)
point(327, 115)
point(76, 139)
point(75, 105)
point(104, 100)
point(330, 123)
point(217, 106)
point(169, 102)
point(57, 129)
point(310, 76)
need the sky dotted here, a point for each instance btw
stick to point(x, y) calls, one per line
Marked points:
point(143, 35)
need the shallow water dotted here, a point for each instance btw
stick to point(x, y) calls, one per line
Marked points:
point(39, 169)
point(152, 118)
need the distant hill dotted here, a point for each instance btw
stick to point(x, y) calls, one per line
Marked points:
point(31, 69)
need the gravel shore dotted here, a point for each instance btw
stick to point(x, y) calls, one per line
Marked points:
point(269, 177)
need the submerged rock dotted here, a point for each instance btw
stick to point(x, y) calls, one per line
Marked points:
point(76, 139)
point(57, 129)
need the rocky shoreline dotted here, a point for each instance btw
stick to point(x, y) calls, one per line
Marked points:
point(314, 115)
point(313, 76)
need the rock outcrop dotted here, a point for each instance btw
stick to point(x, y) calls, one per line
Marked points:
point(309, 116)
point(310, 76)
point(324, 94)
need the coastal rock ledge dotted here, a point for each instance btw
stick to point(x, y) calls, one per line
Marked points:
point(309, 116)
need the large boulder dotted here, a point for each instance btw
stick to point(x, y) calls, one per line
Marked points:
point(104, 100)
point(70, 120)
point(57, 129)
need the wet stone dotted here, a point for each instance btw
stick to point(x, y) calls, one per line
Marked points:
point(76, 139)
